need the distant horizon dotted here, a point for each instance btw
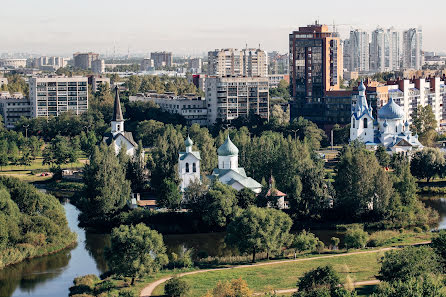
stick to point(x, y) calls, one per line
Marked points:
point(51, 27)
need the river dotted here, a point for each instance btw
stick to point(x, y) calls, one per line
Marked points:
point(51, 276)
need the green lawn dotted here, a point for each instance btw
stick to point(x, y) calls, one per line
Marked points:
point(360, 267)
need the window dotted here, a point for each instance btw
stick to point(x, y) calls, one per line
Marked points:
point(194, 167)
point(365, 123)
point(396, 129)
point(187, 167)
point(353, 123)
point(118, 127)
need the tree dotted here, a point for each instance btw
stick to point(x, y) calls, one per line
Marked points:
point(220, 205)
point(135, 251)
point(408, 262)
point(106, 189)
point(194, 196)
point(321, 282)
point(424, 124)
point(426, 286)
point(382, 156)
point(148, 131)
point(206, 145)
point(176, 287)
point(136, 171)
point(427, 163)
point(60, 151)
point(356, 238)
point(88, 142)
point(362, 186)
point(245, 198)
point(304, 241)
point(259, 229)
point(170, 196)
point(334, 241)
point(439, 245)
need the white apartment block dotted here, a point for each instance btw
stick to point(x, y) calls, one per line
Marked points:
point(13, 107)
point(412, 49)
point(52, 95)
point(230, 97)
point(234, 62)
point(409, 94)
point(193, 109)
point(98, 66)
point(13, 63)
point(384, 50)
point(48, 63)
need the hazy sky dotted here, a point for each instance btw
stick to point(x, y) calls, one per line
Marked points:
point(196, 26)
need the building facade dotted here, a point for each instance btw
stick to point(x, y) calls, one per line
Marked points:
point(13, 63)
point(234, 62)
point(357, 57)
point(84, 60)
point(230, 97)
point(315, 68)
point(147, 64)
point(162, 59)
point(52, 95)
point(13, 107)
point(98, 66)
point(48, 63)
point(188, 165)
point(96, 80)
point(412, 48)
point(192, 108)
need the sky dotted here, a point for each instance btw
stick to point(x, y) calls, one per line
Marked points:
point(193, 27)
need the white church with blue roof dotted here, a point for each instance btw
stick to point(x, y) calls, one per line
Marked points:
point(227, 172)
point(390, 129)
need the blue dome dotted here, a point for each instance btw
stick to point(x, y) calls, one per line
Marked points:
point(227, 148)
point(391, 111)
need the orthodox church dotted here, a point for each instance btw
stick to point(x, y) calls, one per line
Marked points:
point(118, 137)
point(227, 172)
point(391, 129)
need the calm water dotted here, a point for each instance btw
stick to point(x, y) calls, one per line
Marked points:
point(51, 276)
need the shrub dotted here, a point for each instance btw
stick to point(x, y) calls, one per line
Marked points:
point(104, 286)
point(334, 241)
point(320, 246)
point(417, 230)
point(381, 238)
point(439, 245)
point(409, 262)
point(356, 238)
point(126, 293)
point(176, 287)
point(88, 280)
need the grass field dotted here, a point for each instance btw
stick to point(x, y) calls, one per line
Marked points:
point(359, 267)
point(24, 172)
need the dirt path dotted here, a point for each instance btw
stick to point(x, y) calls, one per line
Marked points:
point(148, 290)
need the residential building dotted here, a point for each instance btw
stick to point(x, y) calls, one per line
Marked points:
point(394, 56)
point(117, 137)
point(83, 60)
point(98, 66)
point(230, 97)
point(278, 63)
point(52, 95)
point(315, 68)
point(48, 63)
point(162, 59)
point(195, 64)
point(192, 108)
point(357, 57)
point(274, 79)
point(95, 80)
point(234, 62)
point(13, 63)
point(13, 107)
point(412, 49)
point(199, 80)
point(147, 64)
point(390, 129)
point(3, 81)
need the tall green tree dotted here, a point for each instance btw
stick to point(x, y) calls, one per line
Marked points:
point(136, 251)
point(427, 163)
point(220, 205)
point(205, 144)
point(106, 188)
point(169, 196)
point(424, 124)
point(259, 229)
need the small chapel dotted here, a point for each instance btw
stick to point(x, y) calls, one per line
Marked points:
point(117, 136)
point(228, 171)
point(390, 129)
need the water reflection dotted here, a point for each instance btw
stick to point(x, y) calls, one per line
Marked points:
point(439, 204)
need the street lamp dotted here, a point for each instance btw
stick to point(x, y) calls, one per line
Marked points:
point(26, 130)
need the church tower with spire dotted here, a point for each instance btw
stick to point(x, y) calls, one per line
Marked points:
point(188, 165)
point(362, 122)
point(117, 137)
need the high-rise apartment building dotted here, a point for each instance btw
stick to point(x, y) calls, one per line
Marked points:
point(394, 49)
point(277, 63)
point(315, 68)
point(13, 107)
point(48, 63)
point(412, 48)
point(52, 95)
point(162, 59)
point(234, 62)
point(147, 64)
point(357, 57)
point(98, 66)
point(83, 60)
point(384, 50)
point(230, 97)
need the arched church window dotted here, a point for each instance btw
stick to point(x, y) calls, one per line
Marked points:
point(396, 129)
point(353, 123)
point(118, 127)
point(194, 167)
point(230, 164)
point(365, 123)
point(187, 167)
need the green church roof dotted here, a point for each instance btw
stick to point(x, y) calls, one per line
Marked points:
point(227, 148)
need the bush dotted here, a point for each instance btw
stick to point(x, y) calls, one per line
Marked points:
point(381, 238)
point(176, 287)
point(88, 280)
point(334, 241)
point(356, 238)
point(439, 245)
point(409, 262)
point(126, 293)
point(417, 230)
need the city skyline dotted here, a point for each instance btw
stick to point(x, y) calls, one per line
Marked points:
point(54, 28)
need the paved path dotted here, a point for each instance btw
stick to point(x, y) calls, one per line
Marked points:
point(148, 290)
